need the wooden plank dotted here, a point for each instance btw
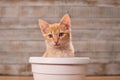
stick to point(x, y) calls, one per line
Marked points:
point(93, 34)
point(100, 69)
point(22, 58)
point(32, 3)
point(96, 46)
point(104, 78)
point(18, 23)
point(77, 34)
point(14, 58)
point(30, 34)
point(59, 11)
point(77, 23)
point(39, 11)
point(10, 11)
point(16, 78)
point(96, 23)
point(31, 11)
point(22, 46)
point(35, 34)
point(107, 3)
point(39, 46)
point(100, 57)
point(87, 78)
point(92, 12)
point(17, 58)
point(15, 69)
point(0, 11)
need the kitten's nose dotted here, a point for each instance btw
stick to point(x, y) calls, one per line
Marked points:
point(55, 40)
point(56, 43)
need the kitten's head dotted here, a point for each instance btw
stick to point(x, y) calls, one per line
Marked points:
point(57, 34)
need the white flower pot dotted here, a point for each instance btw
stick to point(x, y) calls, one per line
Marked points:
point(59, 68)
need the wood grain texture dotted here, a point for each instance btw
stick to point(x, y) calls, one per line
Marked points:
point(80, 46)
point(87, 78)
point(15, 69)
point(77, 23)
point(103, 78)
point(59, 11)
point(23, 57)
point(77, 34)
point(22, 46)
point(107, 3)
point(95, 30)
point(94, 12)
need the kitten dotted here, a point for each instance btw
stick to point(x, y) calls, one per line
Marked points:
point(58, 38)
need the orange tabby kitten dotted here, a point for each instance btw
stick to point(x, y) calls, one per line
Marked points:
point(58, 38)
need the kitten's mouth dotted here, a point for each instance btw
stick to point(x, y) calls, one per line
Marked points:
point(57, 44)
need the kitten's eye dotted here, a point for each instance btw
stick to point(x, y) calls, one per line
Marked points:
point(61, 34)
point(50, 35)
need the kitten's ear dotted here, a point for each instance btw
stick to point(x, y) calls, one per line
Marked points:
point(43, 25)
point(65, 21)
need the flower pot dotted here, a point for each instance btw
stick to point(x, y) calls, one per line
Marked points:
point(59, 68)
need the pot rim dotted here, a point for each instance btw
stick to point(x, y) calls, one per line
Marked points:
point(73, 60)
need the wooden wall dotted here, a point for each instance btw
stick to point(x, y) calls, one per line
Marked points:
point(95, 30)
